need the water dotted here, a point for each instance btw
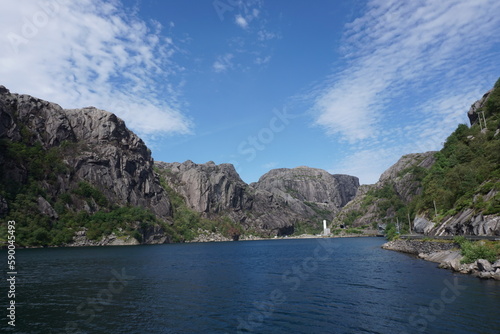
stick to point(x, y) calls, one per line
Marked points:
point(273, 286)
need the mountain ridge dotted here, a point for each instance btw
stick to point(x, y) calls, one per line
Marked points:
point(81, 177)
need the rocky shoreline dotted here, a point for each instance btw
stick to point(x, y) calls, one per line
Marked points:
point(448, 255)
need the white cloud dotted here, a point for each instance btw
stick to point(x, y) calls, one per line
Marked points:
point(377, 160)
point(223, 63)
point(241, 21)
point(395, 45)
point(249, 12)
point(413, 70)
point(93, 52)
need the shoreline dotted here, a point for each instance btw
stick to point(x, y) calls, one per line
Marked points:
point(133, 242)
point(447, 255)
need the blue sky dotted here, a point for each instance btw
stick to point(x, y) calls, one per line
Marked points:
point(346, 86)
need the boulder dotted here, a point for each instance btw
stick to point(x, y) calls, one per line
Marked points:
point(485, 274)
point(484, 265)
point(422, 225)
point(46, 209)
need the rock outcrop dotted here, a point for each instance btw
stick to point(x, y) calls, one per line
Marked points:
point(476, 107)
point(402, 174)
point(466, 222)
point(207, 188)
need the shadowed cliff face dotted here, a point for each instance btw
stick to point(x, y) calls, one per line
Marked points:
point(97, 148)
point(274, 205)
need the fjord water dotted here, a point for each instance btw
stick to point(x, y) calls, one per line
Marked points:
point(347, 285)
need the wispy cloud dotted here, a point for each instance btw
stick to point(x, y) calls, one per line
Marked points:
point(264, 35)
point(270, 165)
point(223, 63)
point(413, 68)
point(398, 44)
point(250, 44)
point(93, 52)
point(262, 60)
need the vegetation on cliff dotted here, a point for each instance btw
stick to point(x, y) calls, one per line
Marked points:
point(45, 218)
point(465, 175)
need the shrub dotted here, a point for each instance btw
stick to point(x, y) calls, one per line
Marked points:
point(473, 251)
point(87, 191)
point(391, 232)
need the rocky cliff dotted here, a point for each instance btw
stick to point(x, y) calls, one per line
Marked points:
point(314, 188)
point(455, 191)
point(477, 212)
point(275, 205)
point(56, 161)
point(397, 187)
point(206, 188)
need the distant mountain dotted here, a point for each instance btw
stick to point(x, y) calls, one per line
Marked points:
point(282, 201)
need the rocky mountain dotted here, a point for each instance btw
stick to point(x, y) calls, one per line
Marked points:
point(476, 210)
point(277, 204)
point(313, 187)
point(397, 187)
point(59, 163)
point(455, 191)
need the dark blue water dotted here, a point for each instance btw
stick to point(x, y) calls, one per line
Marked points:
point(275, 286)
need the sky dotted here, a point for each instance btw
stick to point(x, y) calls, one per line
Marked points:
point(345, 86)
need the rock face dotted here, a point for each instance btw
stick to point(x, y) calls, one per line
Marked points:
point(104, 164)
point(98, 149)
point(273, 206)
point(311, 186)
point(466, 222)
point(207, 188)
point(402, 175)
